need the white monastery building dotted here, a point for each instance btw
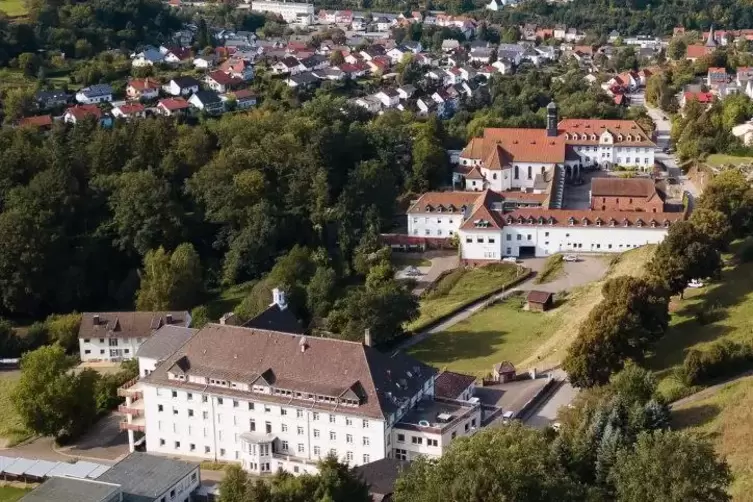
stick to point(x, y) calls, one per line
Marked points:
point(289, 11)
point(268, 399)
point(116, 336)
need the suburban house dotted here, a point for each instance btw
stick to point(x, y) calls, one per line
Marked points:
point(244, 98)
point(129, 111)
point(632, 194)
point(207, 101)
point(172, 106)
point(75, 114)
point(182, 86)
point(389, 98)
point(51, 99)
point(220, 81)
point(143, 88)
point(302, 80)
point(36, 122)
point(116, 336)
point(148, 57)
point(98, 93)
point(293, 399)
point(238, 68)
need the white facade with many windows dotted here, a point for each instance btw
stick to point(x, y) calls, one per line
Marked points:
point(289, 11)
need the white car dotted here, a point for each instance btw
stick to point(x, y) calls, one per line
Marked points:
point(510, 259)
point(695, 283)
point(570, 257)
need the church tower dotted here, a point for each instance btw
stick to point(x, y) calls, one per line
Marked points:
point(551, 119)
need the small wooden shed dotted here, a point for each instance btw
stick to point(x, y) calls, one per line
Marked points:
point(503, 372)
point(540, 301)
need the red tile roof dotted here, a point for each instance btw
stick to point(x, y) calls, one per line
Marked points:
point(81, 111)
point(597, 127)
point(173, 104)
point(127, 324)
point(38, 121)
point(583, 217)
point(524, 145)
point(697, 51)
point(223, 78)
point(451, 385)
point(243, 94)
point(129, 108)
point(445, 200)
point(141, 84)
point(483, 217)
point(701, 97)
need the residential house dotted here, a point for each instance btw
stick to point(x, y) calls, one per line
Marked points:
point(129, 111)
point(697, 51)
point(302, 80)
point(370, 103)
point(182, 86)
point(353, 71)
point(406, 91)
point(288, 66)
point(716, 77)
point(239, 68)
point(143, 88)
point(207, 101)
point(559, 32)
point(372, 52)
point(382, 23)
point(97, 93)
point(381, 476)
point(37, 122)
point(335, 74)
point(358, 24)
point(51, 99)
point(315, 62)
point(204, 62)
point(744, 132)
point(397, 53)
point(244, 98)
point(178, 56)
point(172, 107)
point(449, 45)
point(116, 336)
point(389, 98)
point(75, 114)
point(148, 57)
point(220, 81)
point(503, 67)
point(481, 55)
point(705, 98)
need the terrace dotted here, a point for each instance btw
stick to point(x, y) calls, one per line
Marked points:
point(437, 415)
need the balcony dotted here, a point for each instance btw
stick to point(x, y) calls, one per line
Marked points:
point(131, 388)
point(136, 424)
point(135, 409)
point(295, 460)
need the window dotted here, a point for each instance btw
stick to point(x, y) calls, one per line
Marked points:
point(365, 424)
point(418, 440)
point(317, 451)
point(284, 427)
point(494, 176)
point(252, 425)
point(175, 393)
point(529, 172)
point(480, 239)
point(515, 176)
point(300, 431)
point(348, 421)
point(192, 447)
point(126, 351)
point(332, 419)
point(189, 396)
point(468, 240)
point(190, 413)
point(205, 415)
point(316, 433)
point(427, 232)
point(349, 455)
point(349, 438)
point(366, 459)
point(365, 441)
point(206, 449)
point(315, 416)
point(222, 452)
point(401, 454)
point(101, 340)
point(235, 404)
point(509, 237)
point(333, 452)
point(299, 413)
point(401, 438)
point(87, 352)
point(102, 351)
point(162, 442)
point(491, 240)
point(86, 340)
point(204, 399)
point(267, 409)
point(509, 251)
point(113, 342)
point(219, 400)
point(332, 435)
point(529, 237)
point(160, 407)
point(519, 237)
point(432, 442)
point(177, 445)
point(268, 427)
point(284, 446)
point(283, 411)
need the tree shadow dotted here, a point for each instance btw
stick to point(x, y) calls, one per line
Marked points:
point(695, 416)
point(449, 347)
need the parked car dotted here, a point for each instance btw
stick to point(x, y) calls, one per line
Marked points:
point(570, 257)
point(695, 283)
point(510, 259)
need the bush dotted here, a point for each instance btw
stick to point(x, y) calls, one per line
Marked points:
point(746, 253)
point(722, 359)
point(708, 315)
point(444, 284)
point(552, 268)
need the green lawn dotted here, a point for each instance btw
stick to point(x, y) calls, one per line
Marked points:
point(726, 420)
point(225, 300)
point(719, 159)
point(501, 332)
point(12, 493)
point(460, 287)
point(553, 268)
point(731, 296)
point(13, 7)
point(11, 430)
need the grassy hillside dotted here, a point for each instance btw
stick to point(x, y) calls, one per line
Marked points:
point(725, 418)
point(13, 7)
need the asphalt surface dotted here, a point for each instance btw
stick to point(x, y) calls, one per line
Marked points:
point(546, 413)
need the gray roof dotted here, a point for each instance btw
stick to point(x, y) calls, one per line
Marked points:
point(165, 341)
point(144, 477)
point(71, 490)
point(97, 90)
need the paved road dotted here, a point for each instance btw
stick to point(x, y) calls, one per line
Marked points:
point(542, 416)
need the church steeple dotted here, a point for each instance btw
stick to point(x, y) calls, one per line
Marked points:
point(711, 42)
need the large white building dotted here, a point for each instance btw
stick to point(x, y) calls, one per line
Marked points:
point(291, 12)
point(507, 159)
point(270, 400)
point(116, 336)
point(488, 226)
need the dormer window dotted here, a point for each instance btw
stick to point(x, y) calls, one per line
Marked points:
point(653, 224)
point(509, 220)
point(639, 223)
point(625, 222)
point(630, 137)
point(666, 223)
point(567, 136)
point(440, 208)
point(571, 221)
point(598, 222)
point(428, 208)
point(586, 222)
point(531, 220)
point(612, 222)
point(551, 221)
point(541, 220)
point(593, 137)
point(451, 208)
point(520, 220)
point(619, 137)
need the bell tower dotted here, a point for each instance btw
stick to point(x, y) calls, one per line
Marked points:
point(551, 119)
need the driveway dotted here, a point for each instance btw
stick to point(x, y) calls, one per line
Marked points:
point(441, 261)
point(104, 441)
point(544, 414)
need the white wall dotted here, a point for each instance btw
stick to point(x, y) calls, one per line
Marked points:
point(434, 224)
point(99, 349)
point(549, 240)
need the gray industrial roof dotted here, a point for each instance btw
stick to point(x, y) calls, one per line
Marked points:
point(71, 490)
point(165, 341)
point(145, 477)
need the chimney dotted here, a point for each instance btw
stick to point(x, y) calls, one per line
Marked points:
point(303, 344)
point(278, 298)
point(168, 318)
point(228, 319)
point(367, 337)
point(95, 319)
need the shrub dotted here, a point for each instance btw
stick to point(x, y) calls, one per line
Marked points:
point(723, 358)
point(552, 268)
point(746, 253)
point(708, 315)
point(444, 284)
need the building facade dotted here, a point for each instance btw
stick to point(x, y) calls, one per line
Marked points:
point(270, 400)
point(289, 11)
